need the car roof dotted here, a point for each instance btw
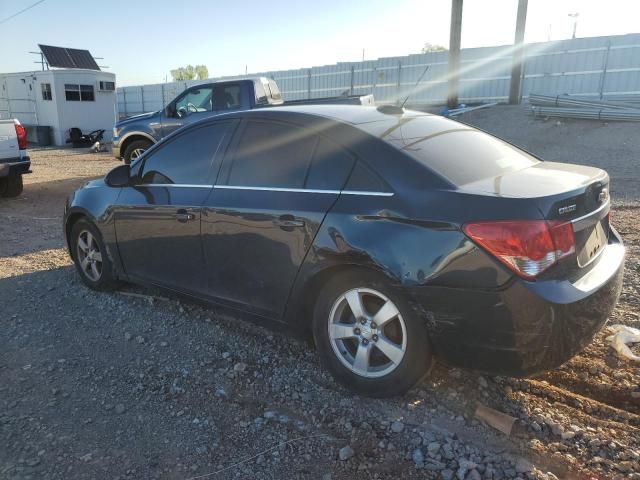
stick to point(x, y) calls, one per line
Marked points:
point(352, 114)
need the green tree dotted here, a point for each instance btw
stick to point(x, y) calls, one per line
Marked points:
point(432, 47)
point(190, 73)
point(202, 71)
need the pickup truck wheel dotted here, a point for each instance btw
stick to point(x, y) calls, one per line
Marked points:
point(11, 186)
point(135, 149)
point(91, 257)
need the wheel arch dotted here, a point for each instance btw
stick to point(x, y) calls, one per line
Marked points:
point(71, 220)
point(132, 137)
point(299, 312)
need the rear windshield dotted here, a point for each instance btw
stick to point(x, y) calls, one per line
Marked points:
point(453, 150)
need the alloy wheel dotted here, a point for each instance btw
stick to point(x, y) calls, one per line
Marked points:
point(367, 332)
point(136, 153)
point(89, 256)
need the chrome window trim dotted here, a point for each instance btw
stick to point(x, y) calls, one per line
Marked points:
point(269, 189)
point(302, 190)
point(175, 185)
point(363, 192)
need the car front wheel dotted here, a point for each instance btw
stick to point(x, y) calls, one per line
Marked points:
point(368, 336)
point(91, 258)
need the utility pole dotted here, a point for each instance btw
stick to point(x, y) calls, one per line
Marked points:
point(575, 22)
point(455, 33)
point(518, 53)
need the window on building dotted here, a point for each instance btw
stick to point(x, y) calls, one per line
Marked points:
point(86, 93)
point(79, 93)
point(46, 91)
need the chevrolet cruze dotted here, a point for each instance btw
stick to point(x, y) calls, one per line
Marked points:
point(392, 237)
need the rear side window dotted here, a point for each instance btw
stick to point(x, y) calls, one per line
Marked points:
point(363, 179)
point(460, 154)
point(272, 155)
point(188, 158)
point(226, 96)
point(330, 167)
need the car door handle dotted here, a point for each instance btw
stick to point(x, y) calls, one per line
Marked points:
point(183, 216)
point(288, 221)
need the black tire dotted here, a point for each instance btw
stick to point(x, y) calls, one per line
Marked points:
point(132, 147)
point(418, 357)
point(11, 186)
point(107, 280)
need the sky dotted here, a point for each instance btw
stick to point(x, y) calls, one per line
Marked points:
point(141, 41)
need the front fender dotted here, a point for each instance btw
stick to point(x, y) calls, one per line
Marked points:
point(95, 201)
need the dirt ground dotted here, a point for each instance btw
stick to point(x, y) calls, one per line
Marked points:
point(114, 386)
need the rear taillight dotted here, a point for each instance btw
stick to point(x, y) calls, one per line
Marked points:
point(528, 247)
point(21, 133)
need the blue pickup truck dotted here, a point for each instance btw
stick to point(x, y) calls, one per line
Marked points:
point(133, 135)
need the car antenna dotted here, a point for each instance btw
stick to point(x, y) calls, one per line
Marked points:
point(419, 79)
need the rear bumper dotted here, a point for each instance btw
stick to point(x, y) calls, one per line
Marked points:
point(17, 166)
point(526, 327)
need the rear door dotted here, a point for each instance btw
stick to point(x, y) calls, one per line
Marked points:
point(276, 184)
point(158, 221)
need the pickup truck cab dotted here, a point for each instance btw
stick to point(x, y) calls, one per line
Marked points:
point(14, 161)
point(134, 135)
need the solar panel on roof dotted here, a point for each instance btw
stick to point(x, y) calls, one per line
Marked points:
point(56, 56)
point(82, 59)
point(60, 57)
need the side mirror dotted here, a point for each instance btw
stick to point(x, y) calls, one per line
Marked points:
point(170, 110)
point(119, 176)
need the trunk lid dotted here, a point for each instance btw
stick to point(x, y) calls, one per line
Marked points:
point(563, 192)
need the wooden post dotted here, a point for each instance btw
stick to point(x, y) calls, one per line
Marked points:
point(455, 33)
point(518, 53)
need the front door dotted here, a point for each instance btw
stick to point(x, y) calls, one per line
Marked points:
point(264, 212)
point(158, 220)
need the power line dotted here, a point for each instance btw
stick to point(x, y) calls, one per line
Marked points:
point(21, 11)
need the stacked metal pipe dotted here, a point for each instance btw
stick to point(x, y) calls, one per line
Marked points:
point(580, 107)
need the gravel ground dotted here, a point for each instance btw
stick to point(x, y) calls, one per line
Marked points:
point(110, 386)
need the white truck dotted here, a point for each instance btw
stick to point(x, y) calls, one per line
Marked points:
point(14, 161)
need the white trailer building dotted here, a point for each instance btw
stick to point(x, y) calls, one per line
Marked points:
point(60, 99)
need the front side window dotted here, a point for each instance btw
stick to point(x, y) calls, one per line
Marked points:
point(78, 93)
point(187, 159)
point(272, 155)
point(196, 100)
point(46, 91)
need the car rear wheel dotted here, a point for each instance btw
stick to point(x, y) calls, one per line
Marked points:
point(135, 149)
point(369, 337)
point(11, 186)
point(91, 258)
